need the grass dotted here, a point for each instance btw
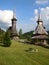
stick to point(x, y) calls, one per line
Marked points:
point(16, 55)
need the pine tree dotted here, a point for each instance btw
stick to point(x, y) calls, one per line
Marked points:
point(20, 34)
point(7, 40)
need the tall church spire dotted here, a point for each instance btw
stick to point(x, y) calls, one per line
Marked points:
point(39, 17)
point(14, 16)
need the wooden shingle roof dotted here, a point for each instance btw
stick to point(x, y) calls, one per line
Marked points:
point(40, 28)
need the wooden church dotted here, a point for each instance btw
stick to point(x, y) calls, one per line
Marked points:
point(12, 29)
point(40, 36)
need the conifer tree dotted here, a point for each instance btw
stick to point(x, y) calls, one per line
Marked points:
point(7, 40)
point(20, 34)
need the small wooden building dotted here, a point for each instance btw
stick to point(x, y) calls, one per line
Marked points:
point(40, 36)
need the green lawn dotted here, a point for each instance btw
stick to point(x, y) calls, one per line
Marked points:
point(16, 55)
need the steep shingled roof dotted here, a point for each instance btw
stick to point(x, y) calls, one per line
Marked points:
point(40, 30)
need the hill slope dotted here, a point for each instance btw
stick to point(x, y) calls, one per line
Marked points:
point(17, 55)
point(1, 35)
point(30, 33)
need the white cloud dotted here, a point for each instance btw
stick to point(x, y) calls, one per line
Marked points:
point(5, 18)
point(36, 11)
point(41, 2)
point(35, 15)
point(42, 9)
point(44, 15)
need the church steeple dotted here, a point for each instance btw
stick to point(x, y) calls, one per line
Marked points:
point(40, 27)
point(14, 31)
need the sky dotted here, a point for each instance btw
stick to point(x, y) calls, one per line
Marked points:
point(26, 12)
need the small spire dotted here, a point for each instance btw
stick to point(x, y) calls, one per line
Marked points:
point(39, 17)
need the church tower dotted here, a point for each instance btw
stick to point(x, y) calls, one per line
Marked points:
point(14, 31)
point(40, 36)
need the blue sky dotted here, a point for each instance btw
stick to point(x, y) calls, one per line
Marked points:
point(25, 12)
